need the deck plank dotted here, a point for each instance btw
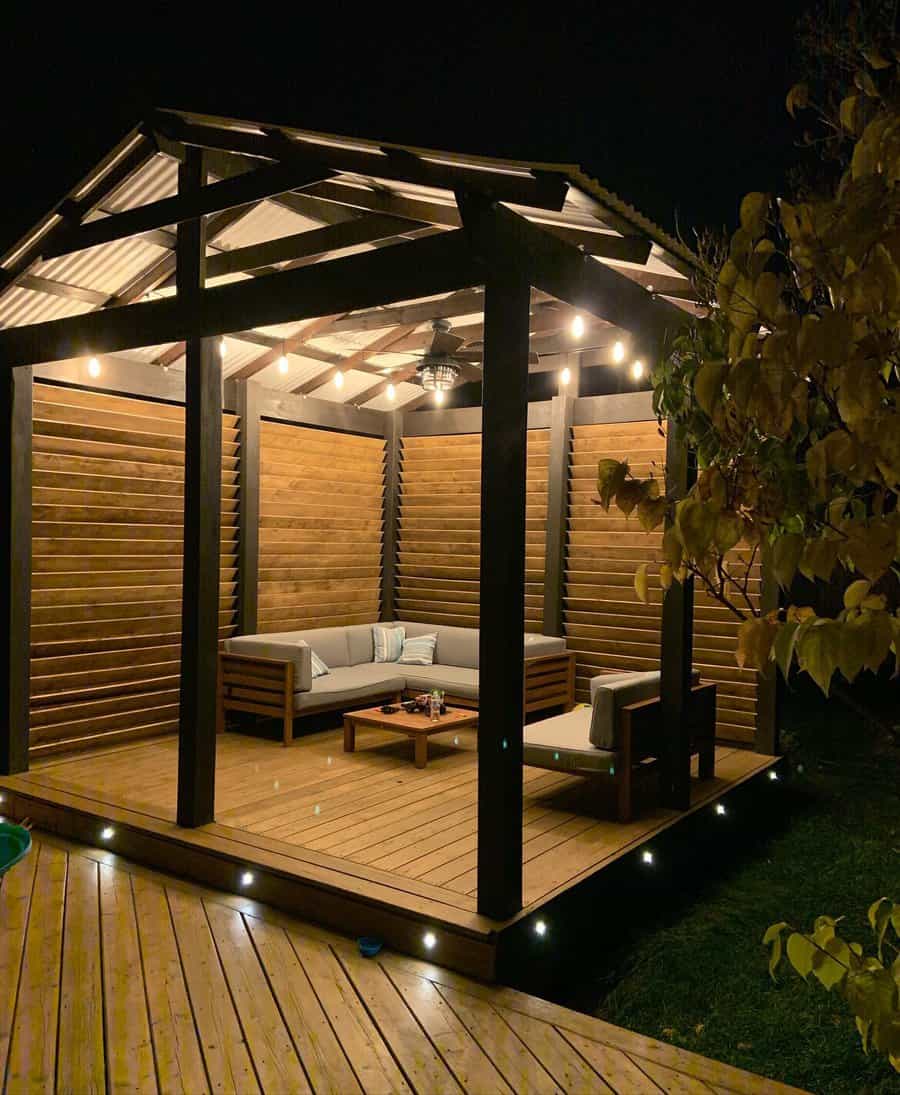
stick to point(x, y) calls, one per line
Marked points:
point(568, 1069)
point(15, 902)
point(81, 1060)
point(620, 1072)
point(129, 1049)
point(179, 1061)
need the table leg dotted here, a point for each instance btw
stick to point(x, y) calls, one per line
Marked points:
point(421, 750)
point(349, 735)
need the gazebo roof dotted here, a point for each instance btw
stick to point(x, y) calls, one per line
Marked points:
point(369, 195)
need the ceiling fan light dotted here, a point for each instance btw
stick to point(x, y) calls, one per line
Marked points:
point(438, 376)
point(439, 396)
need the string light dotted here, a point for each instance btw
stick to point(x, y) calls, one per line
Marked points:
point(283, 364)
point(577, 326)
point(391, 392)
point(637, 370)
point(565, 376)
point(223, 349)
point(618, 352)
point(338, 379)
point(94, 367)
point(439, 396)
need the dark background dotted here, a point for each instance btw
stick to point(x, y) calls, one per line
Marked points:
point(677, 107)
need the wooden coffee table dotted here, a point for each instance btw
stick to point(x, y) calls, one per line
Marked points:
point(416, 726)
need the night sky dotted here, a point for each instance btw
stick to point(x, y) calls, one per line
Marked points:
point(677, 107)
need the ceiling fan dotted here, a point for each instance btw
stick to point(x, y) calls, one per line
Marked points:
point(448, 359)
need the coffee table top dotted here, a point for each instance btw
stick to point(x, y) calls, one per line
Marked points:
point(420, 723)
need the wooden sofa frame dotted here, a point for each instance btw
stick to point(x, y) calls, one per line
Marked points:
point(265, 686)
point(642, 737)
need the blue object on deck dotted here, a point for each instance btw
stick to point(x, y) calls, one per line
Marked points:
point(369, 946)
point(14, 844)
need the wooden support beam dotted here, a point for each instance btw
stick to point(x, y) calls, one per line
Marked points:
point(677, 649)
point(290, 345)
point(61, 289)
point(202, 529)
point(522, 188)
point(561, 417)
point(393, 438)
point(559, 268)
point(504, 434)
point(422, 267)
point(248, 404)
point(212, 198)
point(354, 361)
point(15, 568)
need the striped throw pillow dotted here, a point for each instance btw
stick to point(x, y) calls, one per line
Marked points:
point(388, 642)
point(418, 650)
point(319, 668)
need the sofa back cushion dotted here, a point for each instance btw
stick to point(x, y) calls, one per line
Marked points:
point(455, 645)
point(360, 648)
point(330, 643)
point(611, 697)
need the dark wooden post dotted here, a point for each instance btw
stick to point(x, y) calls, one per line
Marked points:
point(248, 502)
point(393, 434)
point(504, 433)
point(15, 568)
point(562, 410)
point(677, 651)
point(202, 530)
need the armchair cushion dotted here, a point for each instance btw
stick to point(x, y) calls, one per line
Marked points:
point(610, 696)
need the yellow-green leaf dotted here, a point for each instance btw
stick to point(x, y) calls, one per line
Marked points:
point(640, 582)
point(856, 592)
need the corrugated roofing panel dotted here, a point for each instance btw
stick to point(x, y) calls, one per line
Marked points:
point(267, 221)
point(107, 269)
point(19, 307)
point(403, 393)
point(157, 179)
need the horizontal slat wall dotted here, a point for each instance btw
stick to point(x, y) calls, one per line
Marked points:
point(321, 503)
point(439, 538)
point(107, 542)
point(604, 622)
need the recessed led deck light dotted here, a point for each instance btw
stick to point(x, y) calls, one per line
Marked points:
point(430, 940)
point(773, 775)
point(107, 832)
point(246, 879)
point(647, 857)
point(720, 809)
point(540, 928)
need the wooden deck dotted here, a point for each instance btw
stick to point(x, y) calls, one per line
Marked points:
point(114, 978)
point(367, 824)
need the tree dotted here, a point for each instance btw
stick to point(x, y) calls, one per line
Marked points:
point(788, 393)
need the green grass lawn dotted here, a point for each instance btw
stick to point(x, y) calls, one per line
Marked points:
point(698, 978)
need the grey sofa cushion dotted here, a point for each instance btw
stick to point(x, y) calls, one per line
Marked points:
point(453, 679)
point(608, 678)
point(610, 697)
point(563, 743)
point(538, 645)
point(330, 643)
point(360, 644)
point(350, 684)
point(455, 645)
point(280, 649)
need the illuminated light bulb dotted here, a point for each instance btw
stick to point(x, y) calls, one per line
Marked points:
point(391, 392)
point(94, 367)
point(283, 364)
point(540, 928)
point(565, 376)
point(317, 810)
point(618, 352)
point(246, 879)
point(107, 833)
point(649, 287)
point(439, 396)
point(223, 349)
point(773, 775)
point(637, 370)
point(720, 809)
point(430, 940)
point(577, 327)
point(647, 857)
point(339, 380)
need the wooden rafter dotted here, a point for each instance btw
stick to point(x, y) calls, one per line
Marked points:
point(60, 289)
point(356, 360)
point(290, 345)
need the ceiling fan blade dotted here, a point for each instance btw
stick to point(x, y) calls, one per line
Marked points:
point(444, 344)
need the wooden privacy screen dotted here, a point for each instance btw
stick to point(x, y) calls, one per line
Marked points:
point(604, 620)
point(107, 540)
point(320, 527)
point(439, 538)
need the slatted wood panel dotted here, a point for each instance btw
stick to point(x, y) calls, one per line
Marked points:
point(604, 620)
point(107, 539)
point(122, 979)
point(439, 538)
point(321, 518)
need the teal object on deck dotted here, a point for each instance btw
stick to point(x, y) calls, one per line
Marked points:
point(14, 844)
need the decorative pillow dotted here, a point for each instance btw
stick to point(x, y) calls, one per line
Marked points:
point(418, 650)
point(319, 668)
point(388, 642)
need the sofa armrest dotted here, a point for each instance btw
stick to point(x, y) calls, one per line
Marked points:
point(298, 653)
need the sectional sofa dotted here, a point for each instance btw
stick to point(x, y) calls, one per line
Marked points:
point(272, 674)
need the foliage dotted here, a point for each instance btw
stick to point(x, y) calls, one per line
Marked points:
point(869, 985)
point(788, 390)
